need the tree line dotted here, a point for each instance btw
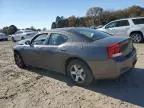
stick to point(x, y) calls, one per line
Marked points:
point(9, 30)
point(96, 16)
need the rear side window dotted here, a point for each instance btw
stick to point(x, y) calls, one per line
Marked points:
point(57, 39)
point(138, 21)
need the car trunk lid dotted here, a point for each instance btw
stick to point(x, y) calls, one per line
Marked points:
point(125, 43)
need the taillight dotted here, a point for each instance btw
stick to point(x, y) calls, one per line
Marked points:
point(114, 50)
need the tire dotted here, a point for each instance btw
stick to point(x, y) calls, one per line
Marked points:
point(18, 60)
point(79, 73)
point(136, 37)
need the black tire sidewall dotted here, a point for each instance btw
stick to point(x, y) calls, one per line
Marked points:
point(89, 76)
point(22, 63)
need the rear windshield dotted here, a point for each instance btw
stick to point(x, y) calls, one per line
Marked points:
point(91, 33)
point(138, 21)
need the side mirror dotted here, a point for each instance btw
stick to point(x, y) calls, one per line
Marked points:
point(28, 42)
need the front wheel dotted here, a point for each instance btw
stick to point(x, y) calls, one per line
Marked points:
point(18, 60)
point(136, 37)
point(79, 73)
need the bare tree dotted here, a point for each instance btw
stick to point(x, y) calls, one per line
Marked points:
point(94, 11)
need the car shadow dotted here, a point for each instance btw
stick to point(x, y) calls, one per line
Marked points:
point(129, 87)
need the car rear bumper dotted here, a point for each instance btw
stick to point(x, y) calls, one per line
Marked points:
point(113, 68)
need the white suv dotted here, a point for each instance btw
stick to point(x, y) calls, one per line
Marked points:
point(130, 27)
point(23, 34)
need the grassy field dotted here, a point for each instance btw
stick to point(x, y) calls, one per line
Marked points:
point(36, 88)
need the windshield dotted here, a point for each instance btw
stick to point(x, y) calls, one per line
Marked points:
point(91, 33)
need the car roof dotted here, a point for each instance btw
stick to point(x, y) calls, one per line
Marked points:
point(128, 18)
point(69, 30)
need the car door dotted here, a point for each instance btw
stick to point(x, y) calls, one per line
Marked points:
point(44, 51)
point(34, 54)
point(56, 53)
point(118, 28)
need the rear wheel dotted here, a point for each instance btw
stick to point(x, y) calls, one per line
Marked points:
point(18, 60)
point(136, 37)
point(79, 73)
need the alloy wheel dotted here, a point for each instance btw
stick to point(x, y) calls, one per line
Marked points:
point(136, 37)
point(77, 73)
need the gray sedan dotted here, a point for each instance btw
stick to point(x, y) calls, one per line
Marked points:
point(82, 54)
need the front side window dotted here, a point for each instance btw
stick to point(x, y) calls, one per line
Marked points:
point(41, 39)
point(111, 25)
point(138, 21)
point(57, 39)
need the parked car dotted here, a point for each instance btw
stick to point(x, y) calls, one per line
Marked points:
point(3, 36)
point(22, 34)
point(81, 53)
point(130, 27)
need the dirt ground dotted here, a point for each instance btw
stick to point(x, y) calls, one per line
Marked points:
point(37, 88)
